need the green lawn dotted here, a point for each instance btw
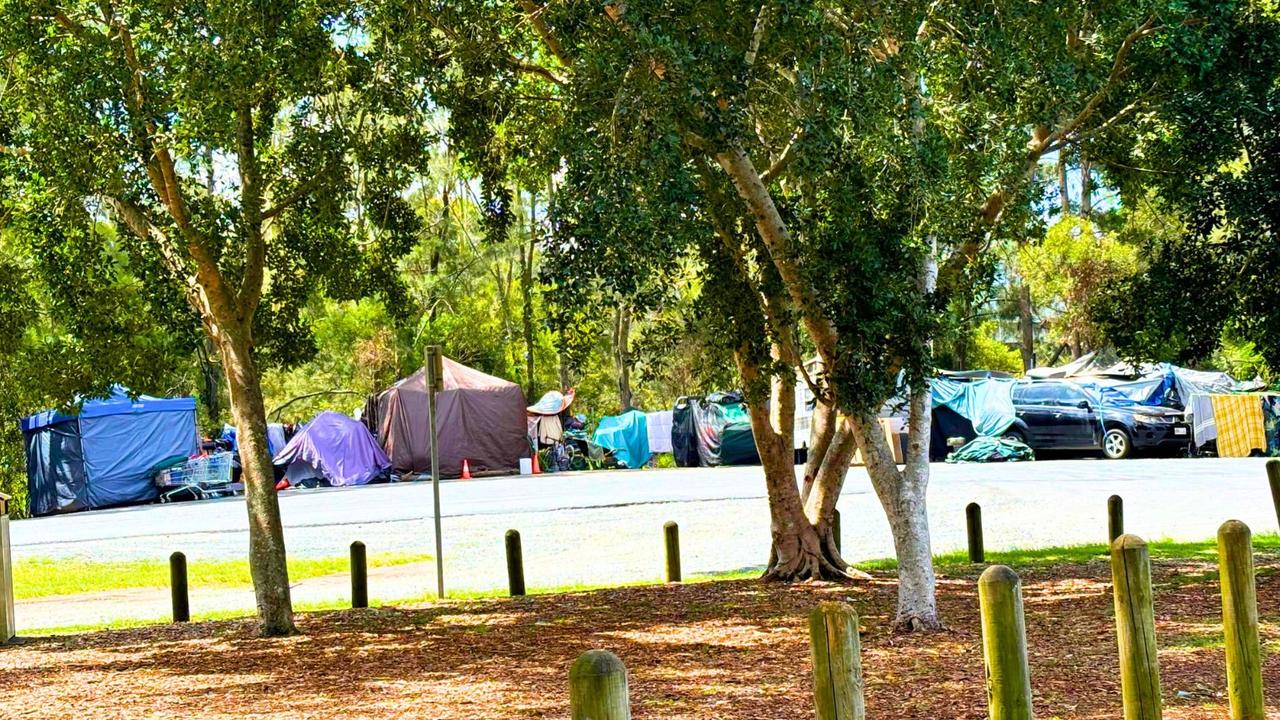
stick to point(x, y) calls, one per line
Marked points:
point(42, 577)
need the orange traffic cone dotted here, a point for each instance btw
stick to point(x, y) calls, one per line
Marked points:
point(536, 470)
point(466, 469)
point(282, 485)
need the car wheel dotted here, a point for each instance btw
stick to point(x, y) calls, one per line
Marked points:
point(1016, 436)
point(1115, 444)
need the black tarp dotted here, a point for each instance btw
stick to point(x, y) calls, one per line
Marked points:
point(56, 479)
point(684, 435)
point(947, 423)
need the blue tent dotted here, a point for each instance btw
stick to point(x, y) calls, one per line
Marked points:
point(627, 435)
point(104, 455)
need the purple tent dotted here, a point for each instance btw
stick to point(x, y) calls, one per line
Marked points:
point(336, 448)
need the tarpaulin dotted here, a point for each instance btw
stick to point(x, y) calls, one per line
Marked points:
point(990, 450)
point(338, 448)
point(684, 433)
point(627, 435)
point(552, 402)
point(988, 404)
point(738, 444)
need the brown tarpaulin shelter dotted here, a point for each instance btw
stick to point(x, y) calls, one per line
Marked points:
point(481, 419)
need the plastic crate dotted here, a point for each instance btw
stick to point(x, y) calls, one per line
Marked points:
point(209, 470)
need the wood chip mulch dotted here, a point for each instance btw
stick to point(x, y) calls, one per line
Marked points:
point(709, 650)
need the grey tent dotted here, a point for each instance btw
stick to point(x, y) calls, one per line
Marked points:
point(481, 419)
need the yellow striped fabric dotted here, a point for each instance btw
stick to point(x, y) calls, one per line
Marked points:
point(1239, 420)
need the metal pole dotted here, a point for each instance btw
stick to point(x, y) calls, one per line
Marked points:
point(434, 366)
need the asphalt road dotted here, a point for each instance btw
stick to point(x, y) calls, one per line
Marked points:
point(606, 527)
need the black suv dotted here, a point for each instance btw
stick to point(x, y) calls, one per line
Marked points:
point(1061, 415)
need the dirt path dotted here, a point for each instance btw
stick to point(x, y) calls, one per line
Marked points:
point(389, 583)
point(734, 650)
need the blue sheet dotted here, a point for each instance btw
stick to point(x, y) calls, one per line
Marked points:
point(627, 435)
point(988, 404)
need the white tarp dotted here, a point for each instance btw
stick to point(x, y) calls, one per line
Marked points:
point(659, 431)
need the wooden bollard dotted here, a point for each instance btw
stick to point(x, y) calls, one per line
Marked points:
point(359, 576)
point(1135, 628)
point(1115, 518)
point(515, 564)
point(836, 652)
point(8, 627)
point(835, 530)
point(178, 587)
point(671, 538)
point(973, 524)
point(598, 687)
point(1240, 621)
point(1273, 478)
point(1004, 645)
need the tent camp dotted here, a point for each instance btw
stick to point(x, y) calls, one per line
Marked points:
point(333, 448)
point(627, 435)
point(543, 418)
point(481, 419)
point(104, 455)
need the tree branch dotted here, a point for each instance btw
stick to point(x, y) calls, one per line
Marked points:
point(251, 210)
point(779, 165)
point(534, 13)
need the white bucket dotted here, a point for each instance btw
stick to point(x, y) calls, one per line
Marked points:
point(526, 466)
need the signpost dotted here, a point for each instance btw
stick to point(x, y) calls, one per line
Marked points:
point(435, 382)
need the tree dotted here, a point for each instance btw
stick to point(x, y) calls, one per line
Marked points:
point(780, 145)
point(232, 144)
point(1204, 175)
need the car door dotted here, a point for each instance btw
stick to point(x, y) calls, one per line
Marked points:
point(1033, 403)
point(1076, 425)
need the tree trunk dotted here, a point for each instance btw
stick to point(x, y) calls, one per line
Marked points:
point(1026, 327)
point(822, 427)
point(1086, 187)
point(622, 355)
point(267, 563)
point(902, 495)
point(527, 287)
point(566, 381)
point(1063, 196)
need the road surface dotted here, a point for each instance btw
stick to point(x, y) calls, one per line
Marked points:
point(606, 527)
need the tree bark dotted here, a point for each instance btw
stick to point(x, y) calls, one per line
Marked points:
point(1063, 196)
point(902, 495)
point(622, 355)
point(267, 565)
point(1026, 327)
point(1086, 187)
point(527, 288)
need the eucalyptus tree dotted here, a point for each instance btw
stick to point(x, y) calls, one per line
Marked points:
point(251, 153)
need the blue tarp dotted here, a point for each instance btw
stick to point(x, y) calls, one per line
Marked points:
point(988, 404)
point(627, 435)
point(104, 456)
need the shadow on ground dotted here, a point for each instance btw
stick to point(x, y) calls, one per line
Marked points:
point(709, 650)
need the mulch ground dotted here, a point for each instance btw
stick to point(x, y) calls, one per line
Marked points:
point(711, 650)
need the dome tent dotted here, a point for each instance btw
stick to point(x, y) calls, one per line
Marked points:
point(336, 448)
point(103, 456)
point(481, 419)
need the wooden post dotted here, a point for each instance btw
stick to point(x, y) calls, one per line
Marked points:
point(1135, 628)
point(178, 587)
point(359, 576)
point(1273, 478)
point(598, 687)
point(836, 652)
point(835, 530)
point(1004, 645)
point(1240, 621)
point(973, 522)
point(671, 536)
point(1115, 518)
point(515, 564)
point(8, 626)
